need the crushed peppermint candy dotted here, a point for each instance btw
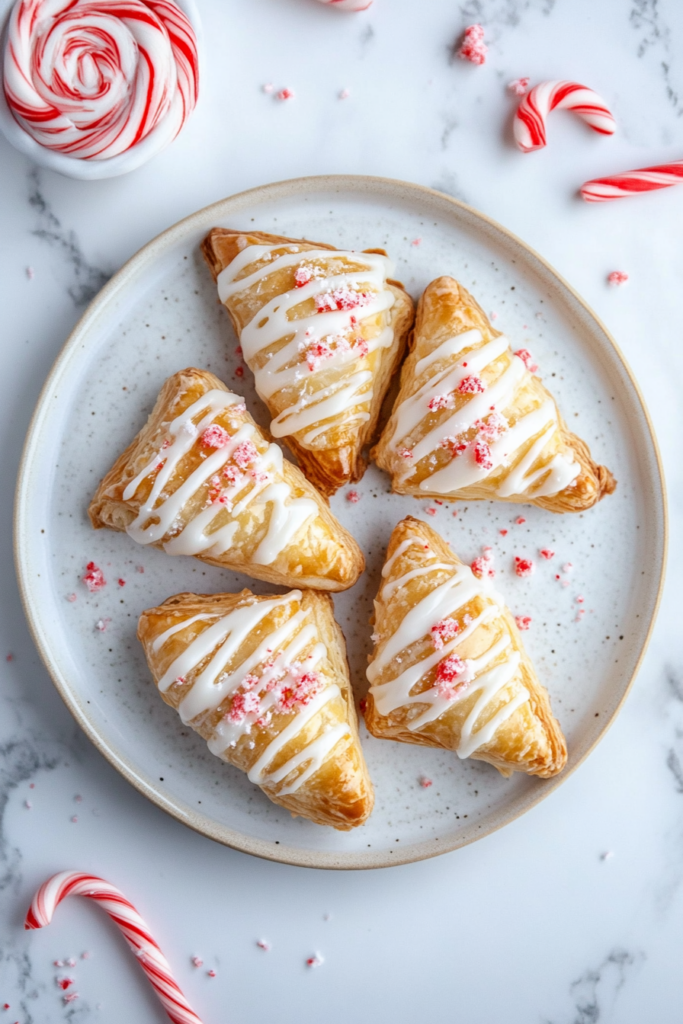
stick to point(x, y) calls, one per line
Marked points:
point(121, 582)
point(431, 511)
point(239, 371)
point(617, 277)
point(525, 355)
point(473, 48)
point(471, 385)
point(298, 690)
point(405, 453)
point(444, 631)
point(64, 982)
point(102, 624)
point(482, 455)
point(523, 566)
point(519, 86)
point(523, 621)
point(546, 553)
point(567, 567)
point(211, 973)
point(243, 704)
point(197, 961)
point(263, 944)
point(441, 402)
point(244, 454)
point(491, 428)
point(503, 533)
point(425, 782)
point(453, 676)
point(71, 598)
point(215, 436)
point(285, 94)
point(580, 599)
point(268, 87)
point(302, 276)
point(93, 578)
point(520, 520)
point(316, 960)
point(342, 298)
point(482, 567)
point(70, 997)
point(316, 352)
point(353, 497)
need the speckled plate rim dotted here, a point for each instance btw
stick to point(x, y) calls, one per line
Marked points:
point(202, 220)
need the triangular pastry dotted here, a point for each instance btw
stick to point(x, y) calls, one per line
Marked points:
point(265, 681)
point(449, 668)
point(323, 331)
point(472, 421)
point(201, 479)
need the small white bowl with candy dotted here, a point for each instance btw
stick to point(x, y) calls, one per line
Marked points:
point(96, 88)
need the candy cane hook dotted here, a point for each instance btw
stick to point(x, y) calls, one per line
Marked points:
point(530, 117)
point(134, 929)
point(632, 183)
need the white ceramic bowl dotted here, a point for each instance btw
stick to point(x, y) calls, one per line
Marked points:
point(90, 170)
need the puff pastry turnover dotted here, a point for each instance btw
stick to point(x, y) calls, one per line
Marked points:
point(264, 680)
point(449, 668)
point(472, 421)
point(201, 479)
point(323, 331)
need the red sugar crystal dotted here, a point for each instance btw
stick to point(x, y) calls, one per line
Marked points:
point(93, 578)
point(523, 566)
point(617, 277)
point(473, 48)
point(215, 436)
point(244, 454)
point(546, 553)
point(444, 631)
point(471, 385)
point(353, 497)
point(482, 455)
point(525, 355)
point(523, 621)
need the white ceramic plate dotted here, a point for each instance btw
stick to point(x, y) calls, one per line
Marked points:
point(159, 314)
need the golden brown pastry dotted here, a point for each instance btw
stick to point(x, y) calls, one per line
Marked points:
point(265, 681)
point(472, 421)
point(449, 668)
point(201, 479)
point(323, 331)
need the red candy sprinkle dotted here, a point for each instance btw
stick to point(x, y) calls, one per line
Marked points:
point(523, 566)
point(473, 48)
point(93, 578)
point(546, 553)
point(353, 497)
point(482, 455)
point(444, 631)
point(523, 621)
point(471, 385)
point(525, 355)
point(617, 277)
point(215, 436)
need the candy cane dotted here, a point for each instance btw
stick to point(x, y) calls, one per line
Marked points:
point(529, 123)
point(134, 929)
point(348, 5)
point(631, 183)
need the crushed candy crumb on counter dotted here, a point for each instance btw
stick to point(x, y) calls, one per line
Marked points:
point(71, 598)
point(519, 86)
point(617, 277)
point(344, 94)
point(525, 355)
point(416, 241)
point(197, 961)
point(523, 621)
point(211, 973)
point(353, 497)
point(93, 578)
point(431, 511)
point(285, 94)
point(30, 273)
point(523, 566)
point(316, 960)
point(546, 553)
point(473, 48)
point(263, 944)
point(425, 782)
point(268, 87)
point(520, 520)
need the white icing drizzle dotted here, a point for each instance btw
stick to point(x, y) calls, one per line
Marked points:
point(310, 400)
point(462, 471)
point(440, 603)
point(277, 651)
point(158, 515)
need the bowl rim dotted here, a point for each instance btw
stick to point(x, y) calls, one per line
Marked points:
point(266, 849)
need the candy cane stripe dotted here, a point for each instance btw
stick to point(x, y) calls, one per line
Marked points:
point(348, 5)
point(632, 183)
point(530, 117)
point(132, 926)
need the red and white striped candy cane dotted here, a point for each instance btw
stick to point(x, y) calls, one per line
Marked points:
point(632, 183)
point(134, 929)
point(529, 123)
point(348, 5)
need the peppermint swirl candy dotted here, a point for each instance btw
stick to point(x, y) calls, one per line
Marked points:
point(93, 78)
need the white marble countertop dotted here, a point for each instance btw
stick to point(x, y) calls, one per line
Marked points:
point(531, 923)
